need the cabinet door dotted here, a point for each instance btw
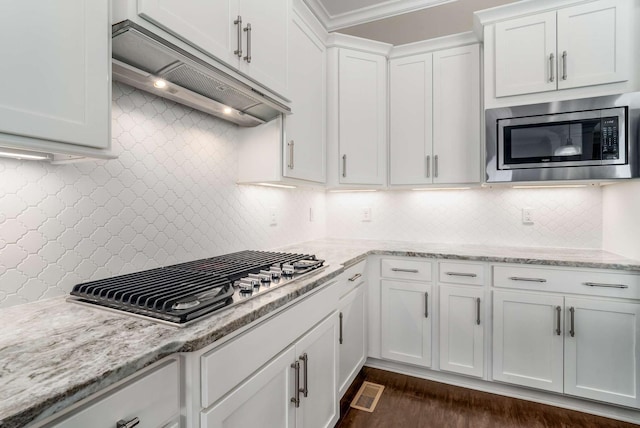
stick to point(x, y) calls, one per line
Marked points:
point(55, 71)
point(527, 340)
point(305, 150)
point(462, 330)
point(411, 119)
point(264, 400)
point(204, 24)
point(456, 115)
point(351, 337)
point(266, 43)
point(362, 118)
point(406, 322)
point(317, 353)
point(526, 55)
point(592, 43)
point(601, 350)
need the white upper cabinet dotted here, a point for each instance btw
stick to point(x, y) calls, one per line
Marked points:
point(435, 117)
point(56, 78)
point(411, 119)
point(249, 35)
point(456, 115)
point(305, 150)
point(573, 47)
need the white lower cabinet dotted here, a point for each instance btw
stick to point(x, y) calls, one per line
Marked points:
point(296, 389)
point(351, 337)
point(406, 322)
point(462, 330)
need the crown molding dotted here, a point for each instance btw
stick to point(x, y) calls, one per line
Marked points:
point(368, 14)
point(338, 40)
point(445, 42)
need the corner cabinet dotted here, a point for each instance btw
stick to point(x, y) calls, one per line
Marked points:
point(56, 78)
point(249, 35)
point(435, 117)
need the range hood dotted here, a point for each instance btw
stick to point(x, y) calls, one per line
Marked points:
point(148, 62)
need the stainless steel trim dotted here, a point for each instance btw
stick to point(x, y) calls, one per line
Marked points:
point(238, 51)
point(340, 339)
point(477, 311)
point(572, 311)
point(290, 144)
point(558, 320)
point(469, 275)
point(426, 304)
point(435, 166)
point(354, 277)
point(428, 166)
point(520, 278)
point(344, 165)
point(629, 168)
point(551, 68)
point(601, 284)
point(404, 270)
point(296, 381)
point(305, 389)
point(564, 65)
point(247, 29)
point(127, 424)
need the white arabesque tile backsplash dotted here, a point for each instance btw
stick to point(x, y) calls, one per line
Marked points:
point(172, 196)
point(169, 197)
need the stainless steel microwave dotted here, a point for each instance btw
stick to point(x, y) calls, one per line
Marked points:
point(585, 139)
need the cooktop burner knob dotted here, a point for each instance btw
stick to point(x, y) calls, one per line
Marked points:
point(265, 276)
point(255, 277)
point(275, 272)
point(245, 286)
point(288, 269)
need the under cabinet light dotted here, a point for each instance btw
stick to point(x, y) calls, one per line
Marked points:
point(281, 186)
point(227, 110)
point(550, 186)
point(160, 84)
point(23, 154)
point(353, 190)
point(429, 189)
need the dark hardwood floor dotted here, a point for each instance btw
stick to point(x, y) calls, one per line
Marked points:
point(409, 402)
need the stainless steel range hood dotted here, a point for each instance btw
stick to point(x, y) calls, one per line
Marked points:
point(142, 59)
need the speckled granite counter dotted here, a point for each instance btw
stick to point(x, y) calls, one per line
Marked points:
point(54, 353)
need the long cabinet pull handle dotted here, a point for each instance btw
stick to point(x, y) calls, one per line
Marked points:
point(247, 29)
point(354, 277)
point(520, 278)
point(552, 76)
point(428, 166)
point(291, 143)
point(477, 311)
point(127, 424)
point(296, 381)
point(426, 304)
point(558, 320)
point(305, 386)
point(340, 316)
point(435, 166)
point(572, 311)
point(564, 65)
point(344, 165)
point(405, 270)
point(468, 275)
point(601, 284)
point(238, 22)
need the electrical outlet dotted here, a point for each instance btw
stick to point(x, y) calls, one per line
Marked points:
point(366, 214)
point(273, 216)
point(527, 216)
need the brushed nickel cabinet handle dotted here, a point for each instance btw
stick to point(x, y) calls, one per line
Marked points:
point(340, 316)
point(602, 284)
point(428, 166)
point(564, 65)
point(405, 270)
point(552, 76)
point(354, 277)
point(344, 165)
point(247, 29)
point(291, 148)
point(305, 378)
point(558, 316)
point(127, 424)
point(435, 166)
point(468, 275)
point(572, 311)
point(519, 278)
point(426, 304)
point(296, 381)
point(238, 51)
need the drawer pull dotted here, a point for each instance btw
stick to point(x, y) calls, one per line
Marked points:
point(354, 277)
point(477, 311)
point(572, 311)
point(405, 270)
point(296, 372)
point(127, 424)
point(340, 328)
point(519, 278)
point(600, 284)
point(468, 275)
point(305, 389)
point(426, 305)
point(558, 320)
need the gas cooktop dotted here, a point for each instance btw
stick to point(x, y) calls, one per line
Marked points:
point(181, 293)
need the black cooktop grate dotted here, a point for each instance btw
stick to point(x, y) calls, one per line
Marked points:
point(182, 292)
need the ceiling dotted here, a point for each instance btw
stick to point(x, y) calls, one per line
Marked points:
point(399, 21)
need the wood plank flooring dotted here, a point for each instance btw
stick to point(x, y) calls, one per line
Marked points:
point(409, 402)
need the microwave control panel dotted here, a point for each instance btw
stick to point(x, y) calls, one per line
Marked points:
point(610, 148)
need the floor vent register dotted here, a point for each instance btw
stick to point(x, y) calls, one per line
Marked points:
point(367, 397)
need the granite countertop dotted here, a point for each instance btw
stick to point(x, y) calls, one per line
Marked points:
point(54, 353)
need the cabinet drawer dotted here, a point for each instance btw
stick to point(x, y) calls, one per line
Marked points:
point(352, 277)
point(419, 270)
point(154, 398)
point(588, 282)
point(461, 273)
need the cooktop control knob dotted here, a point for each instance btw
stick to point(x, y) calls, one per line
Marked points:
point(245, 286)
point(265, 276)
point(288, 269)
point(276, 272)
